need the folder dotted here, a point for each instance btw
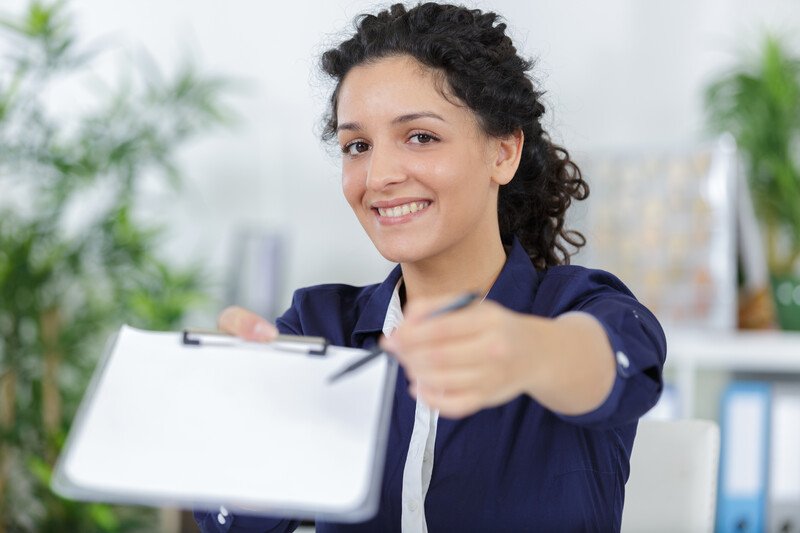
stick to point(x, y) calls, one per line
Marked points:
point(784, 473)
point(745, 413)
point(168, 420)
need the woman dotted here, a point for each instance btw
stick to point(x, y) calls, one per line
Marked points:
point(515, 413)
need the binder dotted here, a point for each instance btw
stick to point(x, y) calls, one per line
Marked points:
point(745, 413)
point(784, 473)
point(169, 420)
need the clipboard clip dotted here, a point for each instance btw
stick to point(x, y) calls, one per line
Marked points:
point(290, 343)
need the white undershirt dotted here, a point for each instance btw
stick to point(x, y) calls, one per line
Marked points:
point(419, 461)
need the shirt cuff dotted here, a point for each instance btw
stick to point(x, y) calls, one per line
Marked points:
point(637, 383)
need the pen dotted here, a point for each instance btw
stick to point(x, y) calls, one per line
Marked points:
point(455, 305)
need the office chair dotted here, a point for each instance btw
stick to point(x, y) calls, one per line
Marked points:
point(673, 481)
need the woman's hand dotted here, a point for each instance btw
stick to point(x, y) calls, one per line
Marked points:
point(466, 360)
point(486, 355)
point(245, 324)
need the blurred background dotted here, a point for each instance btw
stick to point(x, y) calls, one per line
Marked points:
point(618, 75)
point(184, 136)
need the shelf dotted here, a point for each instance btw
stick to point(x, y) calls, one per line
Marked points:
point(758, 351)
point(739, 351)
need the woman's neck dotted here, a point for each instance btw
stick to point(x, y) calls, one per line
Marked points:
point(455, 272)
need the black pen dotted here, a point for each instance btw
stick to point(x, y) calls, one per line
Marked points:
point(455, 305)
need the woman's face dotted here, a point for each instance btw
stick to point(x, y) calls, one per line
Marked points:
point(419, 173)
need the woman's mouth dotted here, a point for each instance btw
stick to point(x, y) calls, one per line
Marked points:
point(403, 209)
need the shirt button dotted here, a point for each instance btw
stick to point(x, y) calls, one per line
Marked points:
point(623, 361)
point(220, 518)
point(412, 505)
point(427, 458)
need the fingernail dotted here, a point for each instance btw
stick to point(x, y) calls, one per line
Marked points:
point(264, 331)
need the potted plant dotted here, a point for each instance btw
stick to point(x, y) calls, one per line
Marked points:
point(64, 285)
point(758, 101)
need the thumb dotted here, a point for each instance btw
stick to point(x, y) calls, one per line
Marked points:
point(246, 324)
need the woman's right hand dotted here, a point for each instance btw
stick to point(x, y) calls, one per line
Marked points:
point(245, 324)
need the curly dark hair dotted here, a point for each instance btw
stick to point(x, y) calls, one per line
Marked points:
point(481, 67)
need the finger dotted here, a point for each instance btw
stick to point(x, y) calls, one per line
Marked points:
point(469, 378)
point(451, 404)
point(481, 377)
point(246, 324)
point(461, 324)
point(450, 355)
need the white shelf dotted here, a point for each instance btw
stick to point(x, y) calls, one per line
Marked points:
point(741, 351)
point(757, 351)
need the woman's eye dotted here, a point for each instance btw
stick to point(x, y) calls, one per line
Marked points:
point(355, 148)
point(422, 138)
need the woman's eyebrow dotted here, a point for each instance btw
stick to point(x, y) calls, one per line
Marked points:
point(349, 126)
point(413, 116)
point(408, 117)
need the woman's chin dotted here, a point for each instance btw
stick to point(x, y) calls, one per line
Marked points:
point(400, 253)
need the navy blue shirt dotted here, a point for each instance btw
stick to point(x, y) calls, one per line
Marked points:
point(518, 466)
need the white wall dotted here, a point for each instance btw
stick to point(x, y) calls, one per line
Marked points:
point(619, 74)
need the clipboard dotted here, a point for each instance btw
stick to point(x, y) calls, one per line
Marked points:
point(256, 428)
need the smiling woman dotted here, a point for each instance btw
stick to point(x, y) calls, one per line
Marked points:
point(406, 146)
point(540, 386)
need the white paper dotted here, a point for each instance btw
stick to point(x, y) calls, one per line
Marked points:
point(253, 427)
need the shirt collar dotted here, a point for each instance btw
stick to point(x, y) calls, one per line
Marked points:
point(370, 322)
point(515, 288)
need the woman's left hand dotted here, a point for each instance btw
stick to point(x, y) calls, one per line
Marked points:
point(467, 360)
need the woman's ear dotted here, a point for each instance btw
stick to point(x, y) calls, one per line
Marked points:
point(509, 152)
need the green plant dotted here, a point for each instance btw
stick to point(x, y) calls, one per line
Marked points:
point(759, 103)
point(75, 261)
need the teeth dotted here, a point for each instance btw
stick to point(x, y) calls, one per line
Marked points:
point(401, 210)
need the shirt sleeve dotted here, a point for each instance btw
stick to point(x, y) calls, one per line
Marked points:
point(289, 322)
point(638, 346)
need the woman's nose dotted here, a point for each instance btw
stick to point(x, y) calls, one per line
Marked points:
point(385, 168)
